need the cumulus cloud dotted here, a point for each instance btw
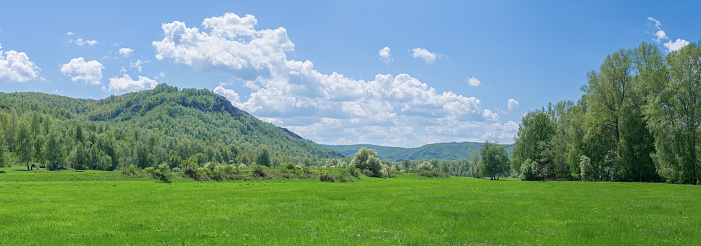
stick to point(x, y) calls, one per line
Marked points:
point(661, 36)
point(473, 81)
point(81, 42)
point(16, 67)
point(125, 52)
point(79, 69)
point(330, 108)
point(70, 33)
point(428, 57)
point(229, 94)
point(127, 84)
point(513, 104)
point(385, 55)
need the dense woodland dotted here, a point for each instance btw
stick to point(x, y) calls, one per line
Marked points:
point(638, 120)
point(143, 129)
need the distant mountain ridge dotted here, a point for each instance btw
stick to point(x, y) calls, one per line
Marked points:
point(441, 151)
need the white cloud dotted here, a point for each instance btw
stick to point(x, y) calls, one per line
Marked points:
point(138, 64)
point(428, 57)
point(513, 104)
point(78, 69)
point(231, 45)
point(677, 44)
point(16, 67)
point(398, 110)
point(473, 81)
point(127, 84)
point(229, 94)
point(385, 55)
point(70, 33)
point(125, 52)
point(81, 42)
point(661, 36)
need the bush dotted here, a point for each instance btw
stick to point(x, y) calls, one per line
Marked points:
point(325, 176)
point(529, 170)
point(259, 170)
point(130, 170)
point(189, 168)
point(202, 174)
point(389, 172)
point(353, 171)
point(161, 174)
point(586, 168)
point(433, 174)
point(290, 166)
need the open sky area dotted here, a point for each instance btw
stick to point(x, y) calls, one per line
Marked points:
point(395, 73)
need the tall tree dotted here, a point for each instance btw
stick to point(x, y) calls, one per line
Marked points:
point(534, 134)
point(52, 150)
point(495, 162)
point(25, 144)
point(3, 147)
point(675, 116)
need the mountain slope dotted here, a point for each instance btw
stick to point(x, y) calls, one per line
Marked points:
point(167, 112)
point(441, 151)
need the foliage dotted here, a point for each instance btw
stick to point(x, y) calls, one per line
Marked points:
point(366, 160)
point(494, 162)
point(638, 120)
point(529, 170)
point(144, 129)
point(433, 173)
point(440, 151)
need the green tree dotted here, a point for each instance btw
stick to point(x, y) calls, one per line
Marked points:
point(675, 116)
point(366, 159)
point(533, 138)
point(263, 158)
point(495, 162)
point(474, 164)
point(3, 147)
point(52, 150)
point(25, 144)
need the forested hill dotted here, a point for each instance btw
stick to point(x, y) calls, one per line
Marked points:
point(441, 151)
point(196, 120)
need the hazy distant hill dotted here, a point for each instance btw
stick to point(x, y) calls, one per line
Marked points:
point(441, 151)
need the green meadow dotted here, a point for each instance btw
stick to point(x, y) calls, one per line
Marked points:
point(100, 207)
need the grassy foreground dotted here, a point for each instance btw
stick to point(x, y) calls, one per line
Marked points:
point(409, 209)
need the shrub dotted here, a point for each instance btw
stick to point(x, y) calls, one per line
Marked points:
point(529, 170)
point(433, 174)
point(162, 174)
point(325, 176)
point(212, 165)
point(189, 168)
point(389, 172)
point(202, 174)
point(290, 166)
point(425, 166)
point(259, 170)
point(177, 170)
point(587, 169)
point(353, 171)
point(130, 170)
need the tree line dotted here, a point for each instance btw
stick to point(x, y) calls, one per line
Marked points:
point(639, 119)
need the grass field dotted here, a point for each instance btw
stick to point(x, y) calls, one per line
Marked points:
point(63, 208)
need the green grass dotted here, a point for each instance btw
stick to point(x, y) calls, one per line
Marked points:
point(409, 209)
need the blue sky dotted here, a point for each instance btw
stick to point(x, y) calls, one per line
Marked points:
point(398, 73)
